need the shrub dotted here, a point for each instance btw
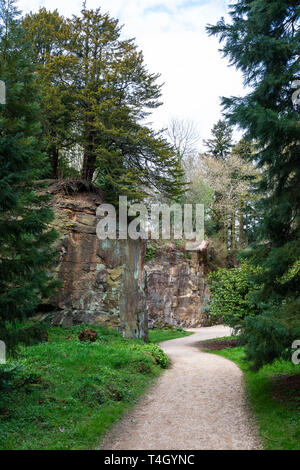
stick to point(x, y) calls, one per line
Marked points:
point(270, 335)
point(7, 375)
point(231, 291)
point(159, 355)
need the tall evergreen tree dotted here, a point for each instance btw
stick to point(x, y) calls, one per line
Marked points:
point(49, 34)
point(247, 212)
point(101, 82)
point(25, 240)
point(262, 40)
point(115, 93)
point(221, 143)
point(219, 147)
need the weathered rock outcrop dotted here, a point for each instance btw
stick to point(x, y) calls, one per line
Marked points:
point(177, 293)
point(103, 280)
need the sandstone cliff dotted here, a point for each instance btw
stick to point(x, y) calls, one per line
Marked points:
point(177, 293)
point(103, 281)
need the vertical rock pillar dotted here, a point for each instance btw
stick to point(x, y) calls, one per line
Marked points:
point(103, 280)
point(133, 308)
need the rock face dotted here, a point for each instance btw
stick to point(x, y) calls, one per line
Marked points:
point(176, 289)
point(103, 280)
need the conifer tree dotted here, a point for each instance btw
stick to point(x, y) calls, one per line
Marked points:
point(49, 34)
point(25, 240)
point(219, 147)
point(103, 94)
point(262, 40)
point(115, 93)
point(221, 143)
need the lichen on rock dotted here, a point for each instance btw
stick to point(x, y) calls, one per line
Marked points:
point(103, 280)
point(177, 292)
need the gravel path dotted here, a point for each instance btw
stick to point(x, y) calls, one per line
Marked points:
point(198, 403)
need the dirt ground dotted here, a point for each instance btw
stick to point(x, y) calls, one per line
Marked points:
point(198, 403)
point(218, 345)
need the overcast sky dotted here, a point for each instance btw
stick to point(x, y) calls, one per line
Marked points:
point(171, 33)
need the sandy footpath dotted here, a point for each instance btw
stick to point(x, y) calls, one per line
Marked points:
point(199, 403)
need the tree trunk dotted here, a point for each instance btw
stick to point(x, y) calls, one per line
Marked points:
point(241, 227)
point(225, 233)
point(89, 158)
point(246, 241)
point(88, 167)
point(54, 161)
point(233, 235)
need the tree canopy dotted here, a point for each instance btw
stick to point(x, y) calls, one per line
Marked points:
point(98, 94)
point(26, 254)
point(262, 40)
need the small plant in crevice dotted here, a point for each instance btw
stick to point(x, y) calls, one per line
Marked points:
point(150, 253)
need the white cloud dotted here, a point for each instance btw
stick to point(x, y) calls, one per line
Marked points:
point(172, 35)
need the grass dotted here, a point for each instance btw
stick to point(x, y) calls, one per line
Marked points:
point(64, 394)
point(158, 336)
point(278, 417)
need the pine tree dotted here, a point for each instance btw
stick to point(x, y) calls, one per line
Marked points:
point(219, 148)
point(262, 41)
point(25, 240)
point(221, 143)
point(103, 93)
point(115, 93)
point(49, 33)
point(247, 213)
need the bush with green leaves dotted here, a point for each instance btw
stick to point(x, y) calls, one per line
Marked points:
point(159, 355)
point(231, 292)
point(270, 335)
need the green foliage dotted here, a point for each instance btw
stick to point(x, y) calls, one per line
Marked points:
point(7, 375)
point(97, 92)
point(150, 253)
point(16, 333)
point(230, 214)
point(221, 143)
point(74, 391)
point(262, 40)
point(25, 239)
point(271, 334)
point(232, 291)
point(49, 33)
point(159, 355)
point(199, 192)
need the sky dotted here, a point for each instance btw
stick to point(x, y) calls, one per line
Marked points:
point(172, 36)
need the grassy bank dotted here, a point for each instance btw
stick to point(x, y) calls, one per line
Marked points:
point(158, 336)
point(274, 397)
point(63, 394)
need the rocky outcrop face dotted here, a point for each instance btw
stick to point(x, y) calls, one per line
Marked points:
point(103, 280)
point(177, 293)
